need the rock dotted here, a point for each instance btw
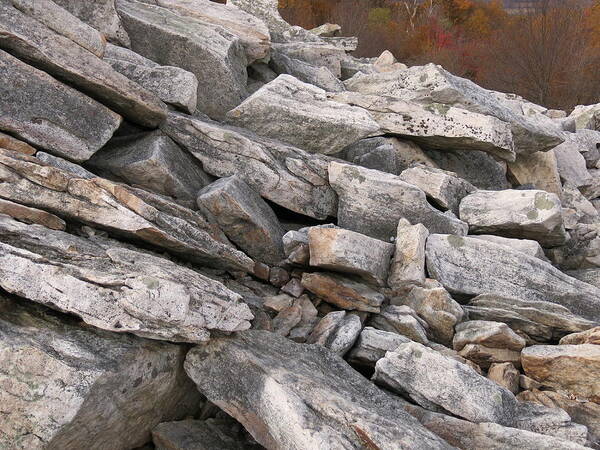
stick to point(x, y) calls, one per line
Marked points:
point(506, 375)
point(485, 356)
point(591, 336)
point(245, 218)
point(60, 379)
point(127, 211)
point(10, 143)
point(64, 23)
point(586, 117)
point(539, 169)
point(408, 265)
point(317, 53)
point(30, 40)
point(153, 161)
point(31, 215)
point(43, 112)
point(435, 126)
point(287, 319)
point(386, 62)
point(267, 11)
point(471, 267)
point(172, 85)
point(65, 165)
point(343, 292)
point(571, 368)
point(571, 164)
point(430, 378)
point(207, 50)
point(308, 320)
point(402, 320)
point(550, 422)
point(278, 303)
point(588, 144)
point(101, 15)
point(278, 276)
point(590, 276)
point(528, 383)
point(527, 246)
point(313, 122)
point(444, 189)
point(372, 345)
point(537, 321)
point(490, 334)
point(285, 175)
point(327, 30)
point(293, 287)
point(349, 252)
point(337, 331)
point(372, 202)
point(114, 288)
point(531, 214)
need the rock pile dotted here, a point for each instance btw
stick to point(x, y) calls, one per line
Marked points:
point(218, 230)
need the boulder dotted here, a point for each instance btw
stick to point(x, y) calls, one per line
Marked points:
point(65, 165)
point(296, 396)
point(127, 211)
point(287, 319)
point(539, 169)
point(317, 53)
point(527, 246)
point(586, 117)
point(530, 214)
point(308, 319)
point(432, 379)
point(267, 11)
point(550, 422)
point(47, 114)
point(327, 30)
point(349, 252)
point(484, 356)
point(30, 40)
point(571, 164)
point(337, 331)
point(372, 202)
point(64, 384)
point(506, 375)
point(288, 176)
point(31, 215)
point(207, 50)
point(245, 218)
point(402, 320)
point(471, 267)
point(591, 336)
point(312, 122)
point(408, 264)
point(113, 287)
point(490, 334)
point(10, 143)
point(372, 345)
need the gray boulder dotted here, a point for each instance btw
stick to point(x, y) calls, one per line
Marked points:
point(337, 331)
point(65, 165)
point(317, 53)
point(402, 320)
point(490, 334)
point(527, 246)
point(408, 265)
point(539, 170)
point(372, 345)
point(571, 163)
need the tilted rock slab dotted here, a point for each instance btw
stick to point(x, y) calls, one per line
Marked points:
point(372, 345)
point(265, 10)
point(471, 267)
point(30, 40)
point(29, 215)
point(408, 263)
point(119, 208)
point(11, 143)
point(373, 202)
point(301, 115)
point(317, 53)
point(115, 288)
point(64, 385)
point(538, 169)
point(527, 246)
point(337, 331)
point(490, 334)
point(295, 396)
point(288, 176)
point(65, 165)
point(47, 114)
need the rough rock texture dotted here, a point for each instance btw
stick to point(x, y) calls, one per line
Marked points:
point(64, 384)
point(285, 175)
point(312, 122)
point(408, 264)
point(266, 10)
point(539, 170)
point(432, 379)
point(31, 215)
point(591, 336)
point(317, 53)
point(44, 112)
point(254, 374)
point(550, 421)
point(372, 202)
point(571, 163)
point(337, 331)
point(471, 267)
point(402, 320)
point(527, 246)
point(65, 165)
point(245, 218)
point(484, 356)
point(506, 375)
point(490, 334)
point(372, 345)
point(10, 143)
point(113, 287)
point(28, 39)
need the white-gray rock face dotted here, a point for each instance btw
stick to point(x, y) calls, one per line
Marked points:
point(372, 202)
point(527, 246)
point(316, 53)
point(571, 163)
point(434, 380)
point(115, 288)
point(402, 320)
point(296, 396)
point(489, 334)
point(65, 385)
point(372, 345)
point(408, 264)
point(44, 112)
point(586, 117)
point(288, 176)
point(64, 164)
point(245, 218)
point(267, 11)
point(312, 122)
point(337, 331)
point(471, 267)
point(530, 214)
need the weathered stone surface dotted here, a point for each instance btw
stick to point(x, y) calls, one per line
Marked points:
point(288, 176)
point(539, 170)
point(295, 396)
point(586, 116)
point(327, 30)
point(372, 345)
point(349, 252)
point(485, 356)
point(337, 331)
point(387, 62)
point(343, 292)
point(245, 218)
point(443, 188)
point(38, 109)
point(527, 246)
point(119, 208)
point(591, 336)
point(408, 264)
point(153, 161)
point(436, 126)
point(63, 384)
point(30, 40)
point(207, 50)
point(490, 334)
point(537, 321)
point(549, 421)
point(101, 15)
point(430, 378)
point(308, 320)
point(506, 375)
point(312, 122)
point(317, 52)
point(571, 368)
point(287, 319)
point(372, 202)
point(471, 266)
point(267, 11)
point(64, 164)
point(571, 164)
point(113, 287)
point(10, 143)
point(277, 302)
point(172, 85)
point(31, 215)
point(531, 214)
point(402, 320)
